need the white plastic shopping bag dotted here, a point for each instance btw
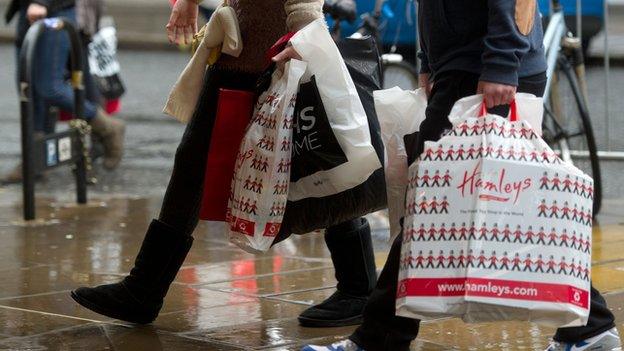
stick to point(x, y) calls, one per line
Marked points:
point(400, 113)
point(345, 113)
point(262, 171)
point(492, 233)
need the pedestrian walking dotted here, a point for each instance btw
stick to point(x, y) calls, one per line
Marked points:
point(498, 52)
point(52, 88)
point(139, 297)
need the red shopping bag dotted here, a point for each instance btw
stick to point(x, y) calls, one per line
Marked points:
point(234, 110)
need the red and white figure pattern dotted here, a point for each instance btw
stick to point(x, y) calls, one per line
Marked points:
point(494, 233)
point(565, 211)
point(478, 127)
point(513, 218)
point(568, 184)
point(437, 179)
point(502, 261)
point(262, 173)
point(465, 152)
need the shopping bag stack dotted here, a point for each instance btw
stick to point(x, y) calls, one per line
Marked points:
point(338, 151)
point(497, 226)
point(320, 167)
point(262, 171)
point(345, 112)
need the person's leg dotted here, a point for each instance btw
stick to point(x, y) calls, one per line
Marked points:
point(599, 333)
point(382, 329)
point(51, 66)
point(351, 248)
point(139, 297)
point(600, 318)
point(51, 85)
point(182, 199)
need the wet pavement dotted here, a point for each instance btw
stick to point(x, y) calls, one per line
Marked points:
point(223, 298)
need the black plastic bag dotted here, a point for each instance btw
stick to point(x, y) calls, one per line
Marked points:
point(362, 59)
point(110, 87)
point(315, 147)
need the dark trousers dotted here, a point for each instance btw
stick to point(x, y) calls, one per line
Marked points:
point(382, 330)
point(183, 198)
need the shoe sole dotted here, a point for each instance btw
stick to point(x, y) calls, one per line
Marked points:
point(97, 309)
point(320, 323)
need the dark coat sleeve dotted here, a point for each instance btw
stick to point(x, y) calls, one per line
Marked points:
point(505, 44)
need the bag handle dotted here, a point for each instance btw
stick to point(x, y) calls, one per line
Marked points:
point(513, 110)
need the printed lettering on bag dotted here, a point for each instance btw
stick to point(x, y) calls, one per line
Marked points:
point(500, 188)
point(305, 123)
point(315, 145)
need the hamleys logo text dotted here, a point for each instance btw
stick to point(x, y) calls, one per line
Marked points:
point(500, 188)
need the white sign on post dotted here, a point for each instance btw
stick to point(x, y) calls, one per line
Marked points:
point(65, 152)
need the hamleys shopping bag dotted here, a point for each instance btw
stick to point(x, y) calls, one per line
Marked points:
point(261, 179)
point(491, 232)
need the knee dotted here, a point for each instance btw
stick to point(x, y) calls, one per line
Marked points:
point(50, 90)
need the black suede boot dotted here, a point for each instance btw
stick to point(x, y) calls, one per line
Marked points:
point(351, 249)
point(139, 297)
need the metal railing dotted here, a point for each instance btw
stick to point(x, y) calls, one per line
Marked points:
point(57, 149)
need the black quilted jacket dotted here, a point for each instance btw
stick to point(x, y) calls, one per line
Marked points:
point(52, 5)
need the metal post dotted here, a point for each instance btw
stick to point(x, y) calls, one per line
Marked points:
point(76, 66)
point(29, 153)
point(579, 20)
point(27, 123)
point(607, 64)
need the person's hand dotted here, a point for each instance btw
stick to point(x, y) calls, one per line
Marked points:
point(424, 81)
point(496, 94)
point(36, 12)
point(286, 55)
point(183, 22)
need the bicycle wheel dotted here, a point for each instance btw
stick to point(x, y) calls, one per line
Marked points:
point(399, 74)
point(567, 126)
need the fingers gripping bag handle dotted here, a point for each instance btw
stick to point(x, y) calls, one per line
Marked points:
point(513, 111)
point(528, 108)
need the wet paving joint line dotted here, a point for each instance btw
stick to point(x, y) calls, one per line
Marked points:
point(212, 341)
point(303, 270)
point(53, 331)
point(289, 344)
point(299, 291)
point(34, 265)
point(60, 330)
point(226, 261)
point(277, 297)
point(309, 259)
point(60, 315)
point(240, 293)
point(605, 262)
point(203, 334)
point(34, 295)
point(614, 292)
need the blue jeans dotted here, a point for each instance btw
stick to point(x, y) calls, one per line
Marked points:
point(49, 77)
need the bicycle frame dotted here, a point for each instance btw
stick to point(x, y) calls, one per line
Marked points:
point(552, 44)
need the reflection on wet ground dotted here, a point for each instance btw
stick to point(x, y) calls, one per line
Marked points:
point(223, 299)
